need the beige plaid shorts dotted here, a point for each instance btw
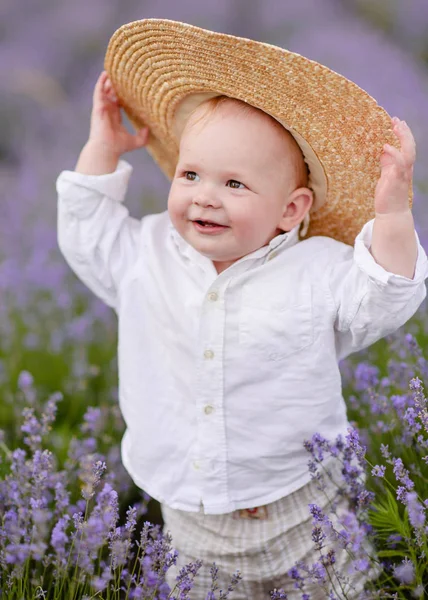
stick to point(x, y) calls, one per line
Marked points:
point(263, 544)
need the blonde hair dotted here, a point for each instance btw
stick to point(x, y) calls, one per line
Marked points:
point(213, 105)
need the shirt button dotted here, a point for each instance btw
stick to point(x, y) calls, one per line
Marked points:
point(272, 255)
point(208, 409)
point(213, 296)
point(208, 354)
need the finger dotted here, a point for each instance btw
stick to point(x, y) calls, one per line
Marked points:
point(142, 137)
point(110, 91)
point(396, 152)
point(100, 100)
point(116, 114)
point(391, 156)
point(137, 140)
point(100, 83)
point(407, 141)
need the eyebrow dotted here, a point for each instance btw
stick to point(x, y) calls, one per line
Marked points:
point(227, 174)
point(187, 166)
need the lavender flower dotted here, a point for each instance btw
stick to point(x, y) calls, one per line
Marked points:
point(366, 375)
point(405, 572)
point(59, 540)
point(378, 471)
point(25, 380)
point(416, 511)
point(234, 581)
point(275, 595)
point(92, 480)
point(420, 400)
point(353, 440)
point(402, 474)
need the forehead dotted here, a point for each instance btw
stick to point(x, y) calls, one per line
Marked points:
point(232, 113)
point(236, 126)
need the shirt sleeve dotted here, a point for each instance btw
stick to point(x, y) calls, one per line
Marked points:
point(96, 235)
point(370, 301)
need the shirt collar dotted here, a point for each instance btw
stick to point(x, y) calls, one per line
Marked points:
point(275, 246)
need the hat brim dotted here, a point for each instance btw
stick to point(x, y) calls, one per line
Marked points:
point(162, 69)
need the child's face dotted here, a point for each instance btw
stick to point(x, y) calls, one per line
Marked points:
point(235, 170)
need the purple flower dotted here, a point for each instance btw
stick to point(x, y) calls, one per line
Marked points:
point(25, 380)
point(384, 450)
point(296, 573)
point(420, 401)
point(318, 573)
point(92, 420)
point(93, 480)
point(402, 474)
point(277, 595)
point(329, 559)
point(410, 416)
point(32, 427)
point(366, 376)
point(131, 519)
point(365, 498)
point(415, 510)
point(17, 554)
point(234, 581)
point(378, 471)
point(62, 497)
point(317, 513)
point(416, 385)
point(405, 572)
point(49, 412)
point(101, 582)
point(59, 539)
point(353, 440)
point(401, 494)
point(318, 537)
point(361, 564)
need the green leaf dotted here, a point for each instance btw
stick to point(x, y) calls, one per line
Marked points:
point(386, 516)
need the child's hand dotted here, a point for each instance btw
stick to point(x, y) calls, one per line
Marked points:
point(107, 129)
point(392, 190)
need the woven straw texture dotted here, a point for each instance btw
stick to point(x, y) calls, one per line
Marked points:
point(154, 64)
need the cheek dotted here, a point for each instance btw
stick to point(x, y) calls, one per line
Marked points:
point(177, 204)
point(249, 219)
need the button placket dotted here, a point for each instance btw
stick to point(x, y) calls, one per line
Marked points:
point(209, 399)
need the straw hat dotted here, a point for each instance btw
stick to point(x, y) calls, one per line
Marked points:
point(161, 70)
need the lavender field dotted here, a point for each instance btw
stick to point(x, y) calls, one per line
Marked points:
point(72, 523)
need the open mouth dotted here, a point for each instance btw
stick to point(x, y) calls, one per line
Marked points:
point(208, 223)
point(209, 227)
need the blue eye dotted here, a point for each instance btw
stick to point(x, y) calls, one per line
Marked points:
point(236, 185)
point(191, 175)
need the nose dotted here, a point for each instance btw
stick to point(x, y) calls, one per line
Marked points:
point(206, 196)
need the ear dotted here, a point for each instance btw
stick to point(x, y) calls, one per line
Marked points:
point(298, 205)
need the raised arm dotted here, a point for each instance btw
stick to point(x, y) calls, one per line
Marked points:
point(96, 235)
point(394, 244)
point(108, 137)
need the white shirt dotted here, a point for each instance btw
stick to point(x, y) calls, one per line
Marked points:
point(223, 376)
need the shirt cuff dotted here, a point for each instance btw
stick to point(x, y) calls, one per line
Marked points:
point(113, 185)
point(367, 263)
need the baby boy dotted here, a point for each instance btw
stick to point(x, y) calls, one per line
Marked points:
point(231, 323)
